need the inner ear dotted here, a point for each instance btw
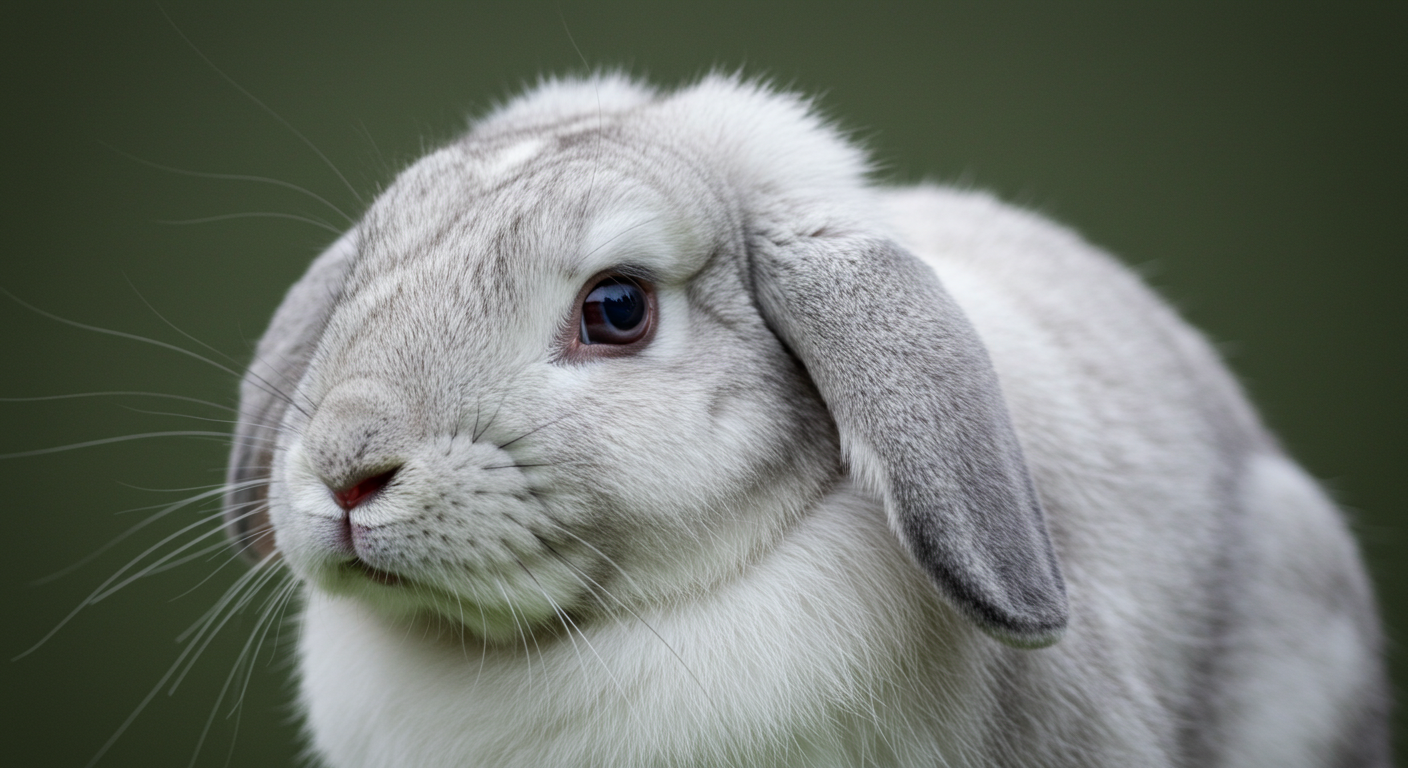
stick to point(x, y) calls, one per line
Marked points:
point(922, 418)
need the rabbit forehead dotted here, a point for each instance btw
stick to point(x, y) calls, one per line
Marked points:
point(453, 267)
point(557, 201)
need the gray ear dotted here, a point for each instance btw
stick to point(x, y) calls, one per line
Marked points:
point(922, 419)
point(267, 392)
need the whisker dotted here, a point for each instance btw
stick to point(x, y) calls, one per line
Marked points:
point(216, 531)
point(531, 431)
point(565, 619)
point(142, 339)
point(178, 329)
point(483, 640)
point(575, 570)
point(110, 440)
point(251, 373)
point(271, 606)
point(168, 490)
point(145, 412)
point(103, 588)
point(150, 695)
point(283, 618)
point(253, 536)
point(172, 325)
point(593, 548)
point(600, 118)
point(527, 658)
point(234, 558)
point(275, 605)
point(264, 107)
point(251, 215)
point(166, 510)
point(211, 629)
point(198, 554)
point(117, 394)
point(489, 424)
point(464, 627)
point(233, 177)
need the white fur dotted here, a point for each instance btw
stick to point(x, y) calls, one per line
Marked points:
point(777, 623)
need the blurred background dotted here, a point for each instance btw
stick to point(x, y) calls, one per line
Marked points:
point(1249, 161)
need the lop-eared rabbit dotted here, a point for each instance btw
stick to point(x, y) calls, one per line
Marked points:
point(640, 428)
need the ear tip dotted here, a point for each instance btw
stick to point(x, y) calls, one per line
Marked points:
point(1040, 623)
point(1026, 609)
point(1029, 637)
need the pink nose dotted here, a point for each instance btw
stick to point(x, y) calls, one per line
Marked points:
point(349, 497)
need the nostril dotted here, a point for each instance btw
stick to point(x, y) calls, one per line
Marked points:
point(360, 491)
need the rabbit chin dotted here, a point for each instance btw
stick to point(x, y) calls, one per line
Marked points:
point(493, 611)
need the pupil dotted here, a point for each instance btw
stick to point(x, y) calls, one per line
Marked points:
point(622, 306)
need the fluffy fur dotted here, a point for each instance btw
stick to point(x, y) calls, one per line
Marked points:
point(903, 477)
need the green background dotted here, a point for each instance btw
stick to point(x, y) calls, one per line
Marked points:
point(1249, 161)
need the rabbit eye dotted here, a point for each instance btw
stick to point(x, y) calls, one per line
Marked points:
point(615, 311)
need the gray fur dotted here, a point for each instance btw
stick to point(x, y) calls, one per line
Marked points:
point(874, 429)
point(906, 378)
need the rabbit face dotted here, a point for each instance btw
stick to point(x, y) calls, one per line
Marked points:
point(470, 434)
point(511, 467)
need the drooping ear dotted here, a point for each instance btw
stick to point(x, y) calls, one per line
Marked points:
point(922, 420)
point(267, 391)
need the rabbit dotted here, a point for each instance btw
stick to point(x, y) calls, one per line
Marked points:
point(640, 427)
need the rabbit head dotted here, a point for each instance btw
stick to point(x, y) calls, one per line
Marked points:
point(603, 351)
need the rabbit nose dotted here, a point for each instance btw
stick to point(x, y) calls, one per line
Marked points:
point(360, 490)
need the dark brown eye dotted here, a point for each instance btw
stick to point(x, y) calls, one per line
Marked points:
point(615, 311)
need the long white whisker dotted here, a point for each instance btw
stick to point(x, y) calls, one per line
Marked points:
point(143, 573)
point(207, 633)
point(234, 558)
point(145, 489)
point(142, 339)
point(574, 570)
point(565, 620)
point(251, 215)
point(174, 326)
point(103, 588)
point(234, 177)
point(75, 396)
point(271, 604)
point(527, 657)
point(264, 107)
point(166, 509)
point(145, 412)
point(111, 440)
point(150, 695)
point(483, 640)
point(198, 554)
point(265, 382)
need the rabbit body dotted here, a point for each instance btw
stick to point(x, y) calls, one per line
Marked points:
point(703, 553)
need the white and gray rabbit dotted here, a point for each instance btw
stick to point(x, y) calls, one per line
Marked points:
point(640, 428)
